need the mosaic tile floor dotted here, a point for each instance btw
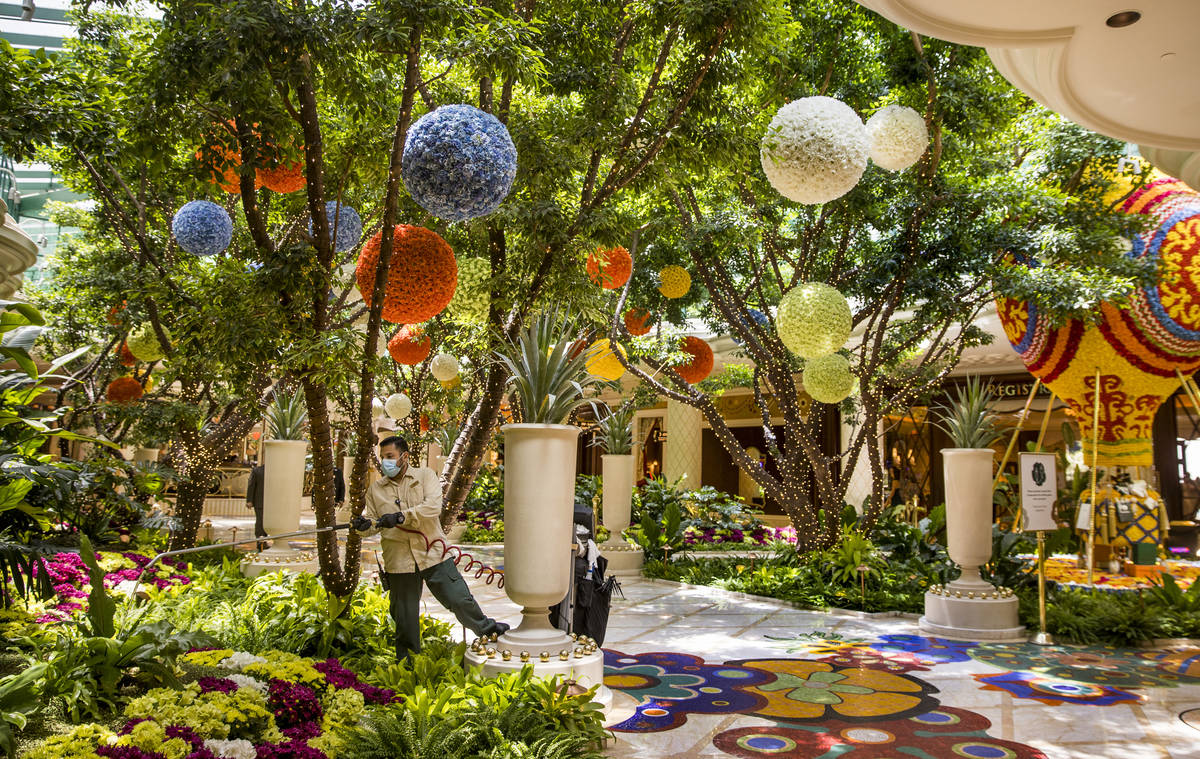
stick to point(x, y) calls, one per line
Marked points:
point(701, 672)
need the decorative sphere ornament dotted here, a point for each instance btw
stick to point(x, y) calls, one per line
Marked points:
point(283, 179)
point(423, 423)
point(674, 282)
point(473, 295)
point(759, 318)
point(813, 320)
point(459, 162)
point(637, 322)
point(202, 228)
point(444, 367)
point(828, 378)
point(398, 406)
point(422, 274)
point(609, 268)
point(409, 346)
point(897, 137)
point(123, 390)
point(377, 408)
point(143, 343)
point(126, 357)
point(815, 150)
point(701, 363)
point(345, 226)
point(601, 360)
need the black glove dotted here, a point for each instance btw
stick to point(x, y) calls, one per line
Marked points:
point(361, 524)
point(393, 519)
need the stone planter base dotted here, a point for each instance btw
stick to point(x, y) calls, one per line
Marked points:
point(624, 559)
point(972, 618)
point(291, 561)
point(587, 670)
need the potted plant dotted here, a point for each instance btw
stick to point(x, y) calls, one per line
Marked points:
point(282, 457)
point(549, 381)
point(616, 466)
point(967, 472)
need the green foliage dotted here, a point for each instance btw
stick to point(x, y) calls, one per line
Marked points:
point(101, 607)
point(702, 511)
point(487, 494)
point(969, 420)
point(548, 377)
point(853, 558)
point(658, 538)
point(1168, 594)
point(287, 416)
point(616, 431)
point(19, 698)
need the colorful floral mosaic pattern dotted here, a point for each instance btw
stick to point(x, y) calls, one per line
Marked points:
point(1054, 691)
point(927, 650)
point(940, 732)
point(1095, 664)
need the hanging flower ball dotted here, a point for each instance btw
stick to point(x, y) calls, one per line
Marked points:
point(424, 423)
point(609, 268)
point(828, 379)
point(701, 363)
point(897, 137)
point(444, 367)
point(674, 282)
point(601, 360)
point(421, 275)
point(459, 162)
point(143, 343)
point(114, 314)
point(398, 406)
point(815, 150)
point(473, 294)
point(813, 320)
point(637, 322)
point(202, 228)
point(283, 179)
point(759, 318)
point(410, 346)
point(126, 356)
point(123, 390)
point(149, 382)
point(450, 384)
point(377, 408)
point(345, 226)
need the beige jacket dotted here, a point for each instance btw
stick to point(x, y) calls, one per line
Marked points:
point(420, 494)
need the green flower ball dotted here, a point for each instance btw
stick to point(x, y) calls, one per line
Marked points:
point(473, 294)
point(828, 379)
point(813, 320)
point(144, 345)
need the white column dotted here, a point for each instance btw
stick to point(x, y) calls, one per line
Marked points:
point(683, 447)
point(859, 487)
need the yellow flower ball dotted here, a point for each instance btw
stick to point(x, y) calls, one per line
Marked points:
point(813, 320)
point(143, 343)
point(674, 282)
point(828, 379)
point(602, 361)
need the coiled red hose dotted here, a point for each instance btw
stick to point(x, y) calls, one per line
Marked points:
point(458, 554)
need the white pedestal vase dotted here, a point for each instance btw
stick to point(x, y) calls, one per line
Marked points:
point(539, 494)
point(283, 490)
point(145, 455)
point(624, 558)
point(970, 607)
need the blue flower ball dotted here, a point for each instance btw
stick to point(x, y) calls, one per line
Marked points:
point(202, 228)
point(459, 162)
point(757, 316)
point(345, 226)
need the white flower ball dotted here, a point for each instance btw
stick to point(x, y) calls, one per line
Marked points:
point(398, 406)
point(444, 367)
point(815, 150)
point(377, 409)
point(898, 137)
point(813, 320)
point(828, 379)
point(245, 681)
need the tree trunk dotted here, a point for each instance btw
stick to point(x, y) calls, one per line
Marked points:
point(338, 581)
point(189, 506)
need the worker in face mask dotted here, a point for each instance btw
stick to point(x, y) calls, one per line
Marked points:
point(405, 501)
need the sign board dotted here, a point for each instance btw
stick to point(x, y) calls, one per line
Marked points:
point(1039, 490)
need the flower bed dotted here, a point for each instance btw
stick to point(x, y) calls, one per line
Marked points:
point(1063, 569)
point(734, 539)
point(71, 584)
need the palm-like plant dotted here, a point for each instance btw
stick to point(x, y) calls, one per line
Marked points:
point(287, 416)
point(616, 431)
point(549, 379)
point(969, 420)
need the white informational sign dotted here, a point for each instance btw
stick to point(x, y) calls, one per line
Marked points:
point(1039, 490)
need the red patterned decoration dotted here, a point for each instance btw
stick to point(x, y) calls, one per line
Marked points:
point(422, 274)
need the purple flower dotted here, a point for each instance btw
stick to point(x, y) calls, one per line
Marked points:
point(127, 752)
point(187, 734)
point(217, 684)
point(340, 677)
point(130, 725)
point(288, 750)
point(303, 732)
point(293, 704)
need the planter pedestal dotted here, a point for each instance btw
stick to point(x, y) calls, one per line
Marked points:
point(970, 607)
point(625, 559)
point(283, 488)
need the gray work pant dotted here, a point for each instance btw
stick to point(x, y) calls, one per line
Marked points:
point(451, 591)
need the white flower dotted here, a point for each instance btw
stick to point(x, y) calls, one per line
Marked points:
point(398, 406)
point(240, 660)
point(444, 367)
point(245, 681)
point(898, 137)
point(235, 749)
point(815, 150)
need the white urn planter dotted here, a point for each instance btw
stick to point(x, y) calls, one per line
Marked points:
point(145, 455)
point(283, 490)
point(539, 494)
point(970, 607)
point(624, 558)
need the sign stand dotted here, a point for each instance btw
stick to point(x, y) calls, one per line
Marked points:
point(1039, 491)
point(1042, 638)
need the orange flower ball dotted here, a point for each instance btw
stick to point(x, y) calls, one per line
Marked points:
point(637, 322)
point(424, 423)
point(410, 346)
point(282, 179)
point(114, 314)
point(127, 357)
point(610, 268)
point(422, 274)
point(123, 390)
point(701, 364)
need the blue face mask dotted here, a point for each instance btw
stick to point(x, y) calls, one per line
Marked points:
point(391, 467)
